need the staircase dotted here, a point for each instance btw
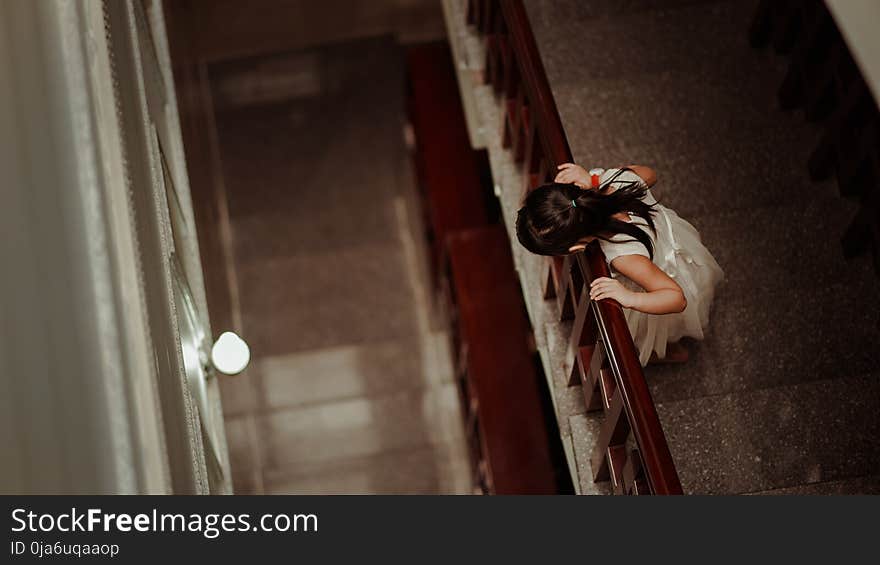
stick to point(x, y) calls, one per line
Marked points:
point(783, 395)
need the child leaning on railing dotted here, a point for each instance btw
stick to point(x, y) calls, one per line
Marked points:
point(663, 275)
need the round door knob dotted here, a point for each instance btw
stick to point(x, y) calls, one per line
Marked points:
point(230, 354)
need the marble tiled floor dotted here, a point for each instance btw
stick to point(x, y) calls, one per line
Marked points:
point(350, 389)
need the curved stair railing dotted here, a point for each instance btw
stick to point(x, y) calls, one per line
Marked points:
point(631, 450)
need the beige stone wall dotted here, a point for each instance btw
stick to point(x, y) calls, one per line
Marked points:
point(96, 395)
point(231, 28)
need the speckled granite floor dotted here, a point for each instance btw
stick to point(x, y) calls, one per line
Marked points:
point(783, 395)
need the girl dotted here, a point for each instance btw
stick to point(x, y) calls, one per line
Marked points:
point(659, 264)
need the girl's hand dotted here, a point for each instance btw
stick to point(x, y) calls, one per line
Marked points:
point(569, 173)
point(603, 288)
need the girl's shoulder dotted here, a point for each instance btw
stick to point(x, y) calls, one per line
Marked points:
point(624, 244)
point(619, 177)
point(616, 178)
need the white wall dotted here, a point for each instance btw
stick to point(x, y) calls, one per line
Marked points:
point(858, 21)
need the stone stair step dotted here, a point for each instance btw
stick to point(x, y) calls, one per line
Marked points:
point(855, 485)
point(424, 470)
point(711, 171)
point(759, 339)
point(649, 56)
point(584, 433)
point(569, 403)
point(644, 42)
point(783, 246)
point(708, 121)
point(359, 427)
point(776, 438)
point(625, 111)
point(543, 13)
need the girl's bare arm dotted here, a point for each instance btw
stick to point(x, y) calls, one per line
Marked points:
point(647, 174)
point(662, 294)
point(575, 174)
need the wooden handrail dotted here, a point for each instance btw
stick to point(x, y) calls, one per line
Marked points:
point(620, 353)
point(637, 401)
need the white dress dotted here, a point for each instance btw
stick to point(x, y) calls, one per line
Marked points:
point(679, 252)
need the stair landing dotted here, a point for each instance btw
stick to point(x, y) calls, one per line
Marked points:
point(783, 396)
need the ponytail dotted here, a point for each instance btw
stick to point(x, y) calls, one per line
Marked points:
point(555, 217)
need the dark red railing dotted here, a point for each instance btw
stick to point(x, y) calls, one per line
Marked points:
point(631, 450)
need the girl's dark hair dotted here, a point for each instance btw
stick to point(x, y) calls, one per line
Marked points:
point(548, 223)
